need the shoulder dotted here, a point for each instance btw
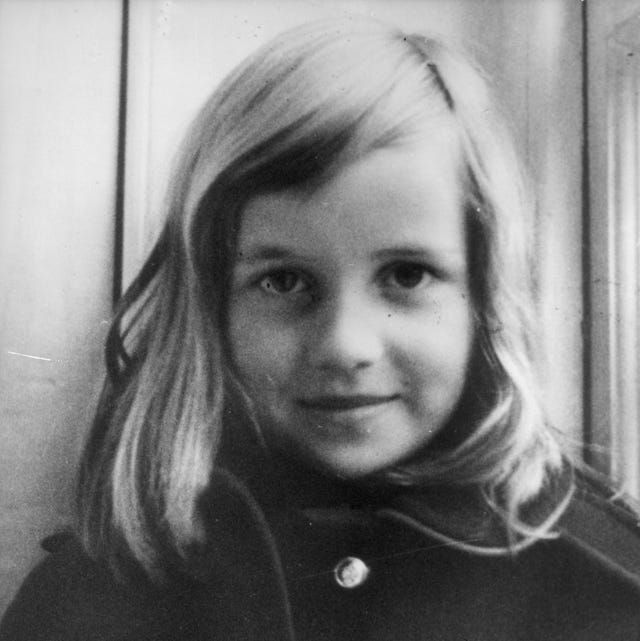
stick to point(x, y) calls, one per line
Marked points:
point(604, 525)
point(69, 596)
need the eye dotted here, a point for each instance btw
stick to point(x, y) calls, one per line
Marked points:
point(283, 281)
point(407, 275)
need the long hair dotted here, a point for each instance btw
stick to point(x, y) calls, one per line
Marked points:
point(305, 104)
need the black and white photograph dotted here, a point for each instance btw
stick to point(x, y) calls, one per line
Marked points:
point(319, 320)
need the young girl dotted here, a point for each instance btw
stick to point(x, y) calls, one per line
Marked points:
point(321, 419)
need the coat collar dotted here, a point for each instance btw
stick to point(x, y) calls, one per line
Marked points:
point(464, 515)
point(459, 515)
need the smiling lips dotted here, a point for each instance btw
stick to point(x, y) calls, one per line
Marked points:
point(331, 404)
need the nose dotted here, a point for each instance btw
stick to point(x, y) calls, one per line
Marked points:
point(346, 336)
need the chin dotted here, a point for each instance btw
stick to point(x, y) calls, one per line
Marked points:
point(348, 467)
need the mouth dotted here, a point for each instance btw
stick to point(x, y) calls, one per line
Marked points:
point(345, 403)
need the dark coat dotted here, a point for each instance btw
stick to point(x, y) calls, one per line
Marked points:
point(271, 572)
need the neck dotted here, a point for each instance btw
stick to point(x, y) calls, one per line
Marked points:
point(275, 476)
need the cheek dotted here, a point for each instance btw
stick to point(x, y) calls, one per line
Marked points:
point(263, 357)
point(438, 356)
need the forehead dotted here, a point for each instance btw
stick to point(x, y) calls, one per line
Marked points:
point(404, 194)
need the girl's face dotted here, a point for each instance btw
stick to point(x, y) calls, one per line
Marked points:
point(350, 322)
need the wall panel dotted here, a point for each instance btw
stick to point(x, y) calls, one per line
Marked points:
point(59, 62)
point(614, 214)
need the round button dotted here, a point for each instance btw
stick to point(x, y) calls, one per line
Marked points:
point(351, 572)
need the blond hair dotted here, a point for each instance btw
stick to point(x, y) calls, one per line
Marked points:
point(291, 114)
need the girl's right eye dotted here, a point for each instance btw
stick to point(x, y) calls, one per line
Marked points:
point(282, 282)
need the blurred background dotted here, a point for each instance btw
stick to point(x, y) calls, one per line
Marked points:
point(94, 98)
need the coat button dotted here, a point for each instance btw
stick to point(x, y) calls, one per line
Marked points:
point(350, 572)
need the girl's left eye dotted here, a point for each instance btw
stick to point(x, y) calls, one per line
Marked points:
point(407, 275)
point(283, 281)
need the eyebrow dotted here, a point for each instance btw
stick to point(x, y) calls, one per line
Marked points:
point(264, 252)
point(275, 252)
point(412, 251)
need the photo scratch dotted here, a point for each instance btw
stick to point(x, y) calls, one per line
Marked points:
point(36, 358)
